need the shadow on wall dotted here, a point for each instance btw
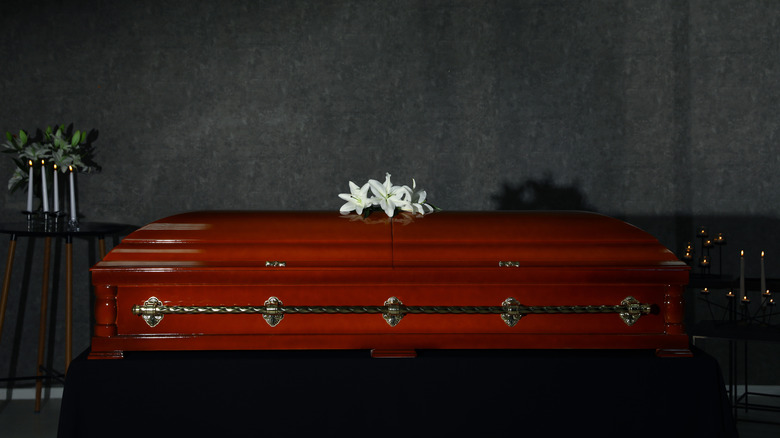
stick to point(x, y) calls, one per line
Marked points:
point(541, 194)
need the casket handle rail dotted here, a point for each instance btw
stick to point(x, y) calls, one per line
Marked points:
point(393, 310)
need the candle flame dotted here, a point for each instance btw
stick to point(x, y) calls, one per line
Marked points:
point(742, 253)
point(762, 253)
point(30, 162)
point(55, 167)
point(70, 168)
point(43, 162)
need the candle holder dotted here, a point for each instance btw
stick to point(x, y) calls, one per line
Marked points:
point(705, 244)
point(73, 224)
point(740, 310)
point(704, 263)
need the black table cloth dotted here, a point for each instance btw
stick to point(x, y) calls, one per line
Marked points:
point(439, 393)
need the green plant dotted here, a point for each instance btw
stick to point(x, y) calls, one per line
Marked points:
point(59, 145)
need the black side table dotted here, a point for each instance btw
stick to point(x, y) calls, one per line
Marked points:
point(49, 230)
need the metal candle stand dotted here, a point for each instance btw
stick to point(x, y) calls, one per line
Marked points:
point(705, 243)
point(741, 310)
point(740, 316)
point(50, 221)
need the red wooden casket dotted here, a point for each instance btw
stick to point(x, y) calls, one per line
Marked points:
point(448, 280)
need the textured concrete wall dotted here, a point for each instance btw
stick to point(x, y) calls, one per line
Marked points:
point(664, 113)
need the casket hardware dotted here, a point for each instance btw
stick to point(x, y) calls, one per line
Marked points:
point(508, 264)
point(273, 311)
point(393, 310)
point(275, 264)
point(633, 310)
point(150, 311)
point(511, 311)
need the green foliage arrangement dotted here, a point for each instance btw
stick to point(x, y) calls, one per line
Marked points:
point(59, 145)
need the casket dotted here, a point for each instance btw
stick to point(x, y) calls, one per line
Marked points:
point(228, 280)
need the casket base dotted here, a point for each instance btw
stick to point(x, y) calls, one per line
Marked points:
point(397, 345)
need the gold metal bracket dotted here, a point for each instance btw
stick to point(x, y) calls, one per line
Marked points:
point(150, 311)
point(633, 309)
point(273, 311)
point(511, 313)
point(275, 264)
point(508, 264)
point(393, 312)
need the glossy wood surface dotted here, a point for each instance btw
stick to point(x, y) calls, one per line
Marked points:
point(443, 259)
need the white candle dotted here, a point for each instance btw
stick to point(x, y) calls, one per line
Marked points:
point(56, 190)
point(44, 188)
point(763, 274)
point(73, 215)
point(742, 273)
point(30, 187)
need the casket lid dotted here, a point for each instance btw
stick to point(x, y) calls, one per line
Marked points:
point(530, 238)
point(251, 238)
point(442, 239)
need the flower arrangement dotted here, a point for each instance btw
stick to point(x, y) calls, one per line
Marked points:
point(58, 145)
point(385, 197)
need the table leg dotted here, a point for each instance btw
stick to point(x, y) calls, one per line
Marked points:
point(68, 301)
point(42, 333)
point(9, 265)
point(102, 246)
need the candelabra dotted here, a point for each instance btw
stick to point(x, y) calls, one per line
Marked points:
point(706, 244)
point(741, 310)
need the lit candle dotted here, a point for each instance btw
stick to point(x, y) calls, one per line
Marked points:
point(44, 187)
point(742, 272)
point(730, 294)
point(705, 291)
point(704, 261)
point(702, 231)
point(56, 190)
point(73, 215)
point(763, 274)
point(745, 299)
point(30, 187)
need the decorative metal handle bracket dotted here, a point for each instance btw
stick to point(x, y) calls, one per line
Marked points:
point(393, 310)
point(275, 264)
point(151, 311)
point(508, 264)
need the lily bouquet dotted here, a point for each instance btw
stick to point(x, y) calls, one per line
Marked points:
point(386, 197)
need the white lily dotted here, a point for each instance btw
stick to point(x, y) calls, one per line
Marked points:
point(388, 196)
point(416, 200)
point(357, 199)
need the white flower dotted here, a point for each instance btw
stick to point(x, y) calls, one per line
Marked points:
point(356, 199)
point(388, 196)
point(416, 200)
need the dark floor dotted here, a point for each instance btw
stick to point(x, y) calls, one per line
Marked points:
point(17, 419)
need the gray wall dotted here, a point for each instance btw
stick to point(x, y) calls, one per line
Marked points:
point(663, 113)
